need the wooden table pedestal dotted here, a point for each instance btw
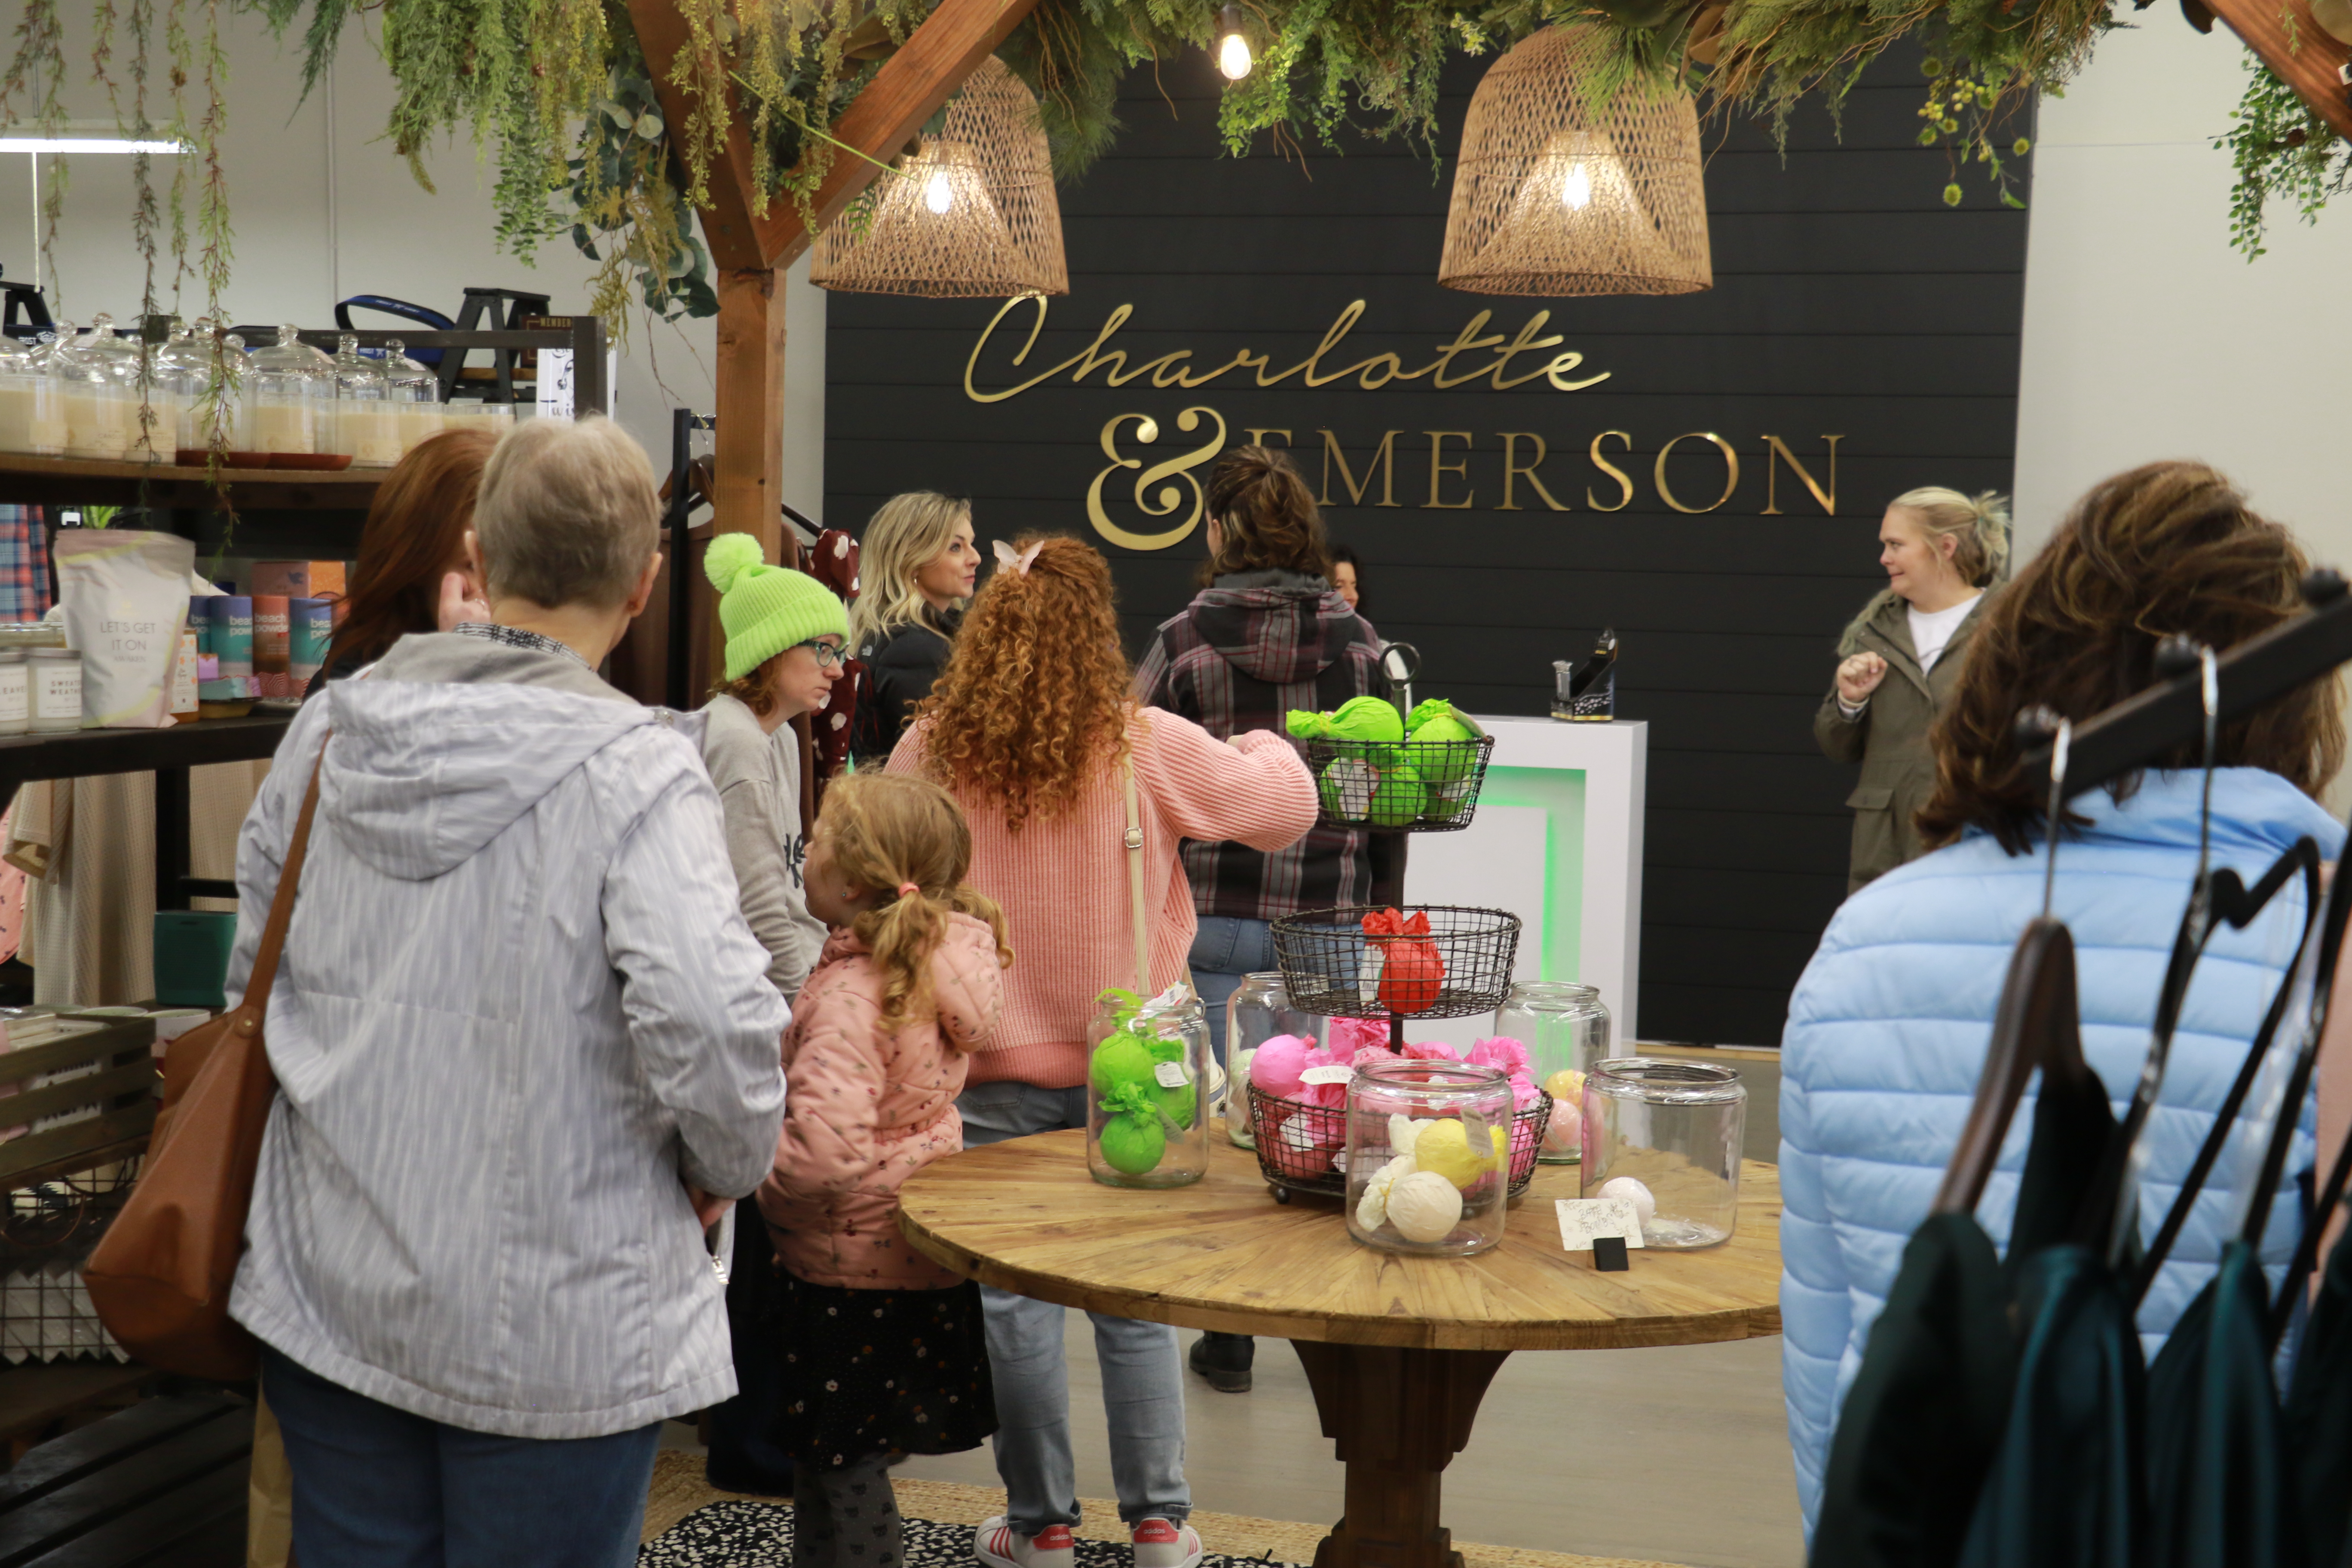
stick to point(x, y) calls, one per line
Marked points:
point(1396, 1417)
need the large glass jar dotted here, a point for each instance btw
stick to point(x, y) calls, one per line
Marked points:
point(32, 404)
point(1666, 1135)
point(101, 403)
point(415, 396)
point(367, 422)
point(1565, 1028)
point(291, 395)
point(178, 374)
point(1429, 1160)
point(1148, 1076)
point(1257, 1012)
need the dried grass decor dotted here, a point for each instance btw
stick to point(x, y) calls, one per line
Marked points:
point(1564, 187)
point(971, 214)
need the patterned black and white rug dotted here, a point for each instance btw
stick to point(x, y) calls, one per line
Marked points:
point(741, 1534)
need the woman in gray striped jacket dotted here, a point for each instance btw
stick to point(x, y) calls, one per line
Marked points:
point(521, 1037)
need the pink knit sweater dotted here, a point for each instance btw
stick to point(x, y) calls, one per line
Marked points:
point(1062, 881)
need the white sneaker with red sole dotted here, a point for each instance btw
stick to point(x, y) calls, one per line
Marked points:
point(996, 1544)
point(1160, 1545)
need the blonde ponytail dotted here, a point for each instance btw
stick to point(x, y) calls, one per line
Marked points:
point(1979, 523)
point(893, 831)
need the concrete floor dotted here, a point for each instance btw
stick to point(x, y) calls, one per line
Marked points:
point(1678, 1455)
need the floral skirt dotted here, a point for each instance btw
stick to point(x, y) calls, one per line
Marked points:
point(874, 1371)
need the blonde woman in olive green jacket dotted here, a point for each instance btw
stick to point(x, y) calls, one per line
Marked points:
point(1900, 659)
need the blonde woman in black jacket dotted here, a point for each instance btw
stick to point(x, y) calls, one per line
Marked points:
point(1899, 658)
point(915, 566)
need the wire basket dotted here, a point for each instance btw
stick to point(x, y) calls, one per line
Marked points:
point(1297, 1144)
point(1399, 786)
point(1329, 966)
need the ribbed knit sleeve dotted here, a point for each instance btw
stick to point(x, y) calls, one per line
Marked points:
point(1252, 789)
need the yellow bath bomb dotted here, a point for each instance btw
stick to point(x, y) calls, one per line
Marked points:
point(1566, 1084)
point(1443, 1147)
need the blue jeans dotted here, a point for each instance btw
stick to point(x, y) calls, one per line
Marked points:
point(379, 1488)
point(1143, 1386)
point(1226, 950)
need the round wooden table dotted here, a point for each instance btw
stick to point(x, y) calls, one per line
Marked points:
point(1398, 1349)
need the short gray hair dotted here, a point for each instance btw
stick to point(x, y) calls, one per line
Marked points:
point(567, 514)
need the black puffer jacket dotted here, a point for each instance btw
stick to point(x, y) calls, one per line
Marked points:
point(901, 666)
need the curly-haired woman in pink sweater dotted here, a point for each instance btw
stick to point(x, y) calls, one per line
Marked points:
point(1033, 730)
point(884, 1351)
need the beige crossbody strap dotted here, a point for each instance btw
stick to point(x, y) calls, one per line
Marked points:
point(1135, 878)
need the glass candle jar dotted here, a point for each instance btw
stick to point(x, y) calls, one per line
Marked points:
point(367, 421)
point(101, 408)
point(1428, 1156)
point(55, 680)
point(1666, 1135)
point(292, 395)
point(16, 692)
point(1258, 1012)
point(1147, 1089)
point(1565, 1028)
point(32, 405)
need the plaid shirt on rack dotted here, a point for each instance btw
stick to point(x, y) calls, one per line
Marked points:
point(23, 563)
point(1248, 650)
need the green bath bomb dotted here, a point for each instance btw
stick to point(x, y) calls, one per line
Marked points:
point(1367, 718)
point(1346, 787)
point(1400, 797)
point(1120, 1059)
point(1182, 1104)
point(1438, 720)
point(1132, 1145)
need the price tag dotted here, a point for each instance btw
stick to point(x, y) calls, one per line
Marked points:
point(1338, 1072)
point(1170, 1075)
point(1582, 1219)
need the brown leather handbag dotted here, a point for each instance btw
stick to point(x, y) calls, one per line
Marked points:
point(161, 1277)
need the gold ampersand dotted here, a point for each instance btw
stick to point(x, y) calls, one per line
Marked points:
point(1168, 496)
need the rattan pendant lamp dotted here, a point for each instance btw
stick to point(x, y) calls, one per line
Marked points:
point(970, 214)
point(1558, 191)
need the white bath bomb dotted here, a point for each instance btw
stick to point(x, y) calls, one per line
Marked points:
point(1424, 1206)
point(1645, 1203)
point(1403, 1130)
point(1373, 1206)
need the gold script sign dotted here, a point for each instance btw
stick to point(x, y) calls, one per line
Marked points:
point(1168, 496)
point(1371, 374)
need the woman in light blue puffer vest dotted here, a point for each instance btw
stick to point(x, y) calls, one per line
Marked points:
point(1888, 1026)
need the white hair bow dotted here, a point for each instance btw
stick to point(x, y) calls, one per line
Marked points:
point(1018, 559)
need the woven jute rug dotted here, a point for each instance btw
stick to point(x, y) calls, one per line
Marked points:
point(690, 1525)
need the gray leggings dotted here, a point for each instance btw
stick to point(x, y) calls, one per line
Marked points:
point(845, 1516)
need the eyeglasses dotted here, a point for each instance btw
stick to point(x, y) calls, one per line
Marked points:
point(827, 653)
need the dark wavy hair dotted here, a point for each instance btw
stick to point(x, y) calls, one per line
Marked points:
point(1265, 517)
point(2169, 547)
point(1034, 698)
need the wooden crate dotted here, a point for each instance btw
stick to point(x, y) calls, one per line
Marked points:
point(123, 1086)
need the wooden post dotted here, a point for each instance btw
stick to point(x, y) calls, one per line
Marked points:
point(2306, 59)
point(750, 440)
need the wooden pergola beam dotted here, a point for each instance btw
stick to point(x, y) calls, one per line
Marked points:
point(2307, 62)
point(927, 70)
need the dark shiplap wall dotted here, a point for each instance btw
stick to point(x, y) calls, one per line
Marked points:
point(1848, 300)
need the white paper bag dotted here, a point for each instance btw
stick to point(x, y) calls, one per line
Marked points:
point(125, 595)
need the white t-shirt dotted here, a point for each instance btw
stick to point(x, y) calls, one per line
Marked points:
point(1931, 631)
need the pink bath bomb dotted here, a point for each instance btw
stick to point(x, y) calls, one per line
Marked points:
point(1565, 1135)
point(1278, 1063)
point(1500, 1051)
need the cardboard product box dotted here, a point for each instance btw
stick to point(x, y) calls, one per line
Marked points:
point(299, 579)
point(270, 645)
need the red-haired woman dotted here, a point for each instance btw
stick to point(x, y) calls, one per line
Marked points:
point(415, 572)
point(1034, 731)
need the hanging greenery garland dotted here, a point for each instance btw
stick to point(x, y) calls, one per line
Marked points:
point(557, 95)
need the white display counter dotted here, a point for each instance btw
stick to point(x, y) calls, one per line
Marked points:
point(1557, 841)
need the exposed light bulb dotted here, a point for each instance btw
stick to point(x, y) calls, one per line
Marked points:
point(1576, 190)
point(1234, 57)
point(939, 194)
point(1233, 47)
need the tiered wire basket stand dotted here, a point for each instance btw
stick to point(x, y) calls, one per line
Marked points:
point(1330, 966)
point(1409, 786)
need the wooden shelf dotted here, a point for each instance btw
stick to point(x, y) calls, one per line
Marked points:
point(24, 758)
point(27, 481)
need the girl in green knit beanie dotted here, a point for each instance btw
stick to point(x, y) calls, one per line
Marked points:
point(785, 635)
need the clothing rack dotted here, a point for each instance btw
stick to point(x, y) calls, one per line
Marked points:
point(2170, 714)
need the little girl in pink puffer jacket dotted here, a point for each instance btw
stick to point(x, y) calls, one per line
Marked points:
point(885, 1353)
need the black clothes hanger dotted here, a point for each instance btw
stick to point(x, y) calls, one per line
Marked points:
point(2035, 1025)
point(2110, 1214)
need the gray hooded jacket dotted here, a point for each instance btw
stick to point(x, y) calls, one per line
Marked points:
point(516, 1002)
